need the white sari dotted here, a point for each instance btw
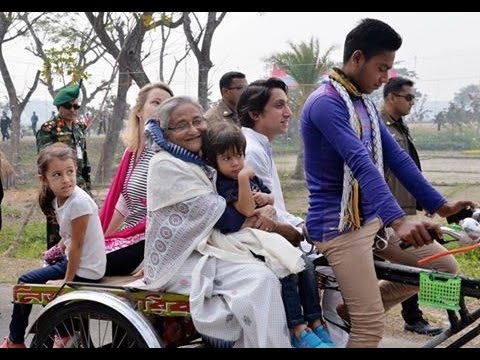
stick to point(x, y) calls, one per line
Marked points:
point(233, 296)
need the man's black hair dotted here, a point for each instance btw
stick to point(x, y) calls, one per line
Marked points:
point(395, 84)
point(227, 78)
point(255, 98)
point(372, 37)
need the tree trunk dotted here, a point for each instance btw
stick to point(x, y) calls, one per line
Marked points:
point(104, 170)
point(299, 172)
point(203, 70)
point(202, 53)
point(15, 138)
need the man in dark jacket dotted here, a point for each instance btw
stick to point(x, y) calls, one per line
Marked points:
point(5, 122)
point(232, 85)
point(399, 97)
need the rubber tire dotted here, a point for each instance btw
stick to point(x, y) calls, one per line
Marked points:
point(82, 310)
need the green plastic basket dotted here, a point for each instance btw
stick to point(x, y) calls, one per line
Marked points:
point(439, 290)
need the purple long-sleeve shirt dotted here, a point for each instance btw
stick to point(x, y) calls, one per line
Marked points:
point(329, 142)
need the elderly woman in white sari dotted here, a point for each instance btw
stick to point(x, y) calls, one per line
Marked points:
point(234, 296)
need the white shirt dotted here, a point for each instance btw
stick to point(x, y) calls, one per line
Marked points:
point(93, 260)
point(259, 156)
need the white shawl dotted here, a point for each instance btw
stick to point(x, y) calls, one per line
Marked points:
point(183, 207)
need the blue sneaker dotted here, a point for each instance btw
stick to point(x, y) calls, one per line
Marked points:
point(324, 336)
point(307, 340)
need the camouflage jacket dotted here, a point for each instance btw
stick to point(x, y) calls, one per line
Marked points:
point(221, 112)
point(56, 130)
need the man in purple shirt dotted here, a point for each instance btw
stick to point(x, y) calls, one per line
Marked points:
point(346, 147)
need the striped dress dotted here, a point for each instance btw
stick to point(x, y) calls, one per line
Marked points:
point(133, 200)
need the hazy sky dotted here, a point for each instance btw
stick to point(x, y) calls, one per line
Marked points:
point(440, 47)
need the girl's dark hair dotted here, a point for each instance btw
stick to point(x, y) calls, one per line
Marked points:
point(255, 98)
point(45, 156)
point(220, 138)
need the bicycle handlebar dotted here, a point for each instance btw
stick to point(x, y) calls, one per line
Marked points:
point(405, 245)
point(455, 218)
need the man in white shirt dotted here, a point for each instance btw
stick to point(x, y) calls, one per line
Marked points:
point(264, 114)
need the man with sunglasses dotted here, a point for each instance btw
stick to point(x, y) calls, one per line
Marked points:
point(232, 85)
point(399, 97)
point(66, 127)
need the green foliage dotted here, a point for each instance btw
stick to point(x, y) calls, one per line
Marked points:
point(468, 263)
point(463, 111)
point(63, 62)
point(446, 140)
point(305, 64)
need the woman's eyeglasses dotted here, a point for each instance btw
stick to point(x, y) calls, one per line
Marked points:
point(68, 106)
point(184, 126)
point(408, 97)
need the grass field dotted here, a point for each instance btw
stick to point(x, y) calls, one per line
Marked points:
point(454, 173)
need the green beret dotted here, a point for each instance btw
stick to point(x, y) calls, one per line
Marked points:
point(67, 94)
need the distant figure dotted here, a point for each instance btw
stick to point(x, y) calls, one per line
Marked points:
point(5, 125)
point(34, 120)
point(88, 120)
point(102, 126)
point(53, 116)
point(232, 85)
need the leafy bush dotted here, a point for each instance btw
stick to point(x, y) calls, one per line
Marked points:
point(446, 140)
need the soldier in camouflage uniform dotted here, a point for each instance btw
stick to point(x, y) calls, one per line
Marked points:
point(68, 129)
point(232, 85)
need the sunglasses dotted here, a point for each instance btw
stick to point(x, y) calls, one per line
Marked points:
point(68, 106)
point(408, 97)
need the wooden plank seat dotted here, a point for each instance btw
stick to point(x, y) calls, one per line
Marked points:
point(149, 302)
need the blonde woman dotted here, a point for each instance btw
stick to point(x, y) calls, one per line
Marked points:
point(124, 211)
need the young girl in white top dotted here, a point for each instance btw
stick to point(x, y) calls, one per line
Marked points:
point(80, 229)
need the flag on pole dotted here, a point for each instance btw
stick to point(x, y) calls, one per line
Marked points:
point(283, 75)
point(392, 73)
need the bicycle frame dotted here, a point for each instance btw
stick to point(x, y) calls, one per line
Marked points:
point(469, 288)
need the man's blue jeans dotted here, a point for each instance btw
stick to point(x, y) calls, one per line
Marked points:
point(300, 290)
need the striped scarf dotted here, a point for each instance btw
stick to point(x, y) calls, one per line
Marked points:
point(157, 141)
point(349, 209)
